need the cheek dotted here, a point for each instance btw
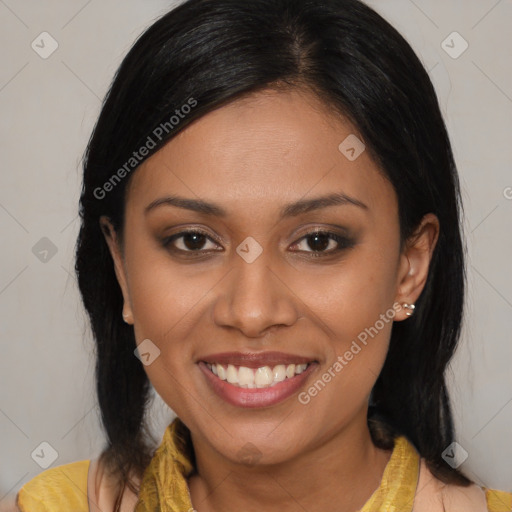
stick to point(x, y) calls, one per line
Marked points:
point(355, 305)
point(360, 325)
point(352, 296)
point(164, 293)
point(165, 305)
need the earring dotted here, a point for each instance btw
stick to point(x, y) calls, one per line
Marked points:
point(410, 307)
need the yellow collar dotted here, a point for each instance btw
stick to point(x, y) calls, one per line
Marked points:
point(164, 485)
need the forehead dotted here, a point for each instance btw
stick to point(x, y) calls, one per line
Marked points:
point(262, 151)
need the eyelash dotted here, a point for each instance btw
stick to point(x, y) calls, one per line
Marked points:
point(342, 241)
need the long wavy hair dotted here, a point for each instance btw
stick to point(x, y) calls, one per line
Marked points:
point(217, 51)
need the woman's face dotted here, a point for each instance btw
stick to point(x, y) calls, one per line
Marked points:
point(256, 295)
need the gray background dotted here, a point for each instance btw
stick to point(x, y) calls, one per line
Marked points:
point(49, 106)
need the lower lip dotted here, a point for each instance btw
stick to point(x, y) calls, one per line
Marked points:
point(256, 397)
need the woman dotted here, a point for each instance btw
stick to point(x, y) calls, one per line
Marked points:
point(270, 238)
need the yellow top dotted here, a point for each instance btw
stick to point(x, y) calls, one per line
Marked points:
point(57, 489)
point(164, 486)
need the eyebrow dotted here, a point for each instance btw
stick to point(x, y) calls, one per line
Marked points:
point(289, 210)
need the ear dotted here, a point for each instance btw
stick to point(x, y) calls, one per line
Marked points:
point(415, 262)
point(115, 251)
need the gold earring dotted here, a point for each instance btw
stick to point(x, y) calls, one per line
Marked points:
point(410, 307)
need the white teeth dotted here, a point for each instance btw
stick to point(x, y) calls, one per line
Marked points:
point(263, 377)
point(250, 378)
point(300, 368)
point(279, 373)
point(232, 374)
point(246, 376)
point(290, 371)
point(221, 372)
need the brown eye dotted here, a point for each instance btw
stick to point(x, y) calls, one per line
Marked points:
point(324, 242)
point(189, 241)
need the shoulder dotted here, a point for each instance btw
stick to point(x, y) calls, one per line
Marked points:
point(60, 488)
point(433, 495)
point(79, 487)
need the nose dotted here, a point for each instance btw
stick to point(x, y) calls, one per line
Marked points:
point(254, 298)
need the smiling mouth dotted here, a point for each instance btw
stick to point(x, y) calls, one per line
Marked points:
point(251, 378)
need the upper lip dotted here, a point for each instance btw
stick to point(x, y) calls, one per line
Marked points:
point(255, 359)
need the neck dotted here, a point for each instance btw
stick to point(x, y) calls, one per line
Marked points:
point(339, 474)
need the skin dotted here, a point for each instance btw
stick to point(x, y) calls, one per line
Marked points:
point(252, 157)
